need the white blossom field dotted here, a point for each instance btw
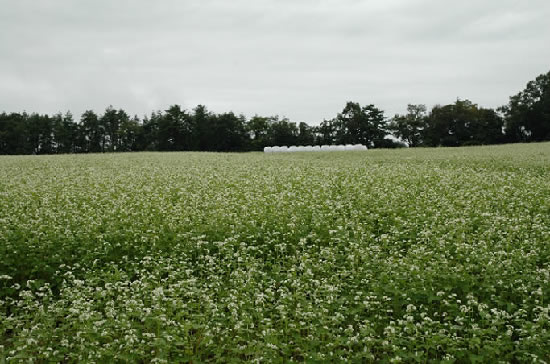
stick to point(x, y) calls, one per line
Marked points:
point(411, 255)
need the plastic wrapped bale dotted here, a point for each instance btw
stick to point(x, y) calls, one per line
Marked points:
point(293, 148)
point(316, 148)
point(348, 147)
point(340, 148)
point(325, 148)
point(268, 150)
point(275, 149)
point(359, 147)
point(332, 148)
point(283, 149)
point(308, 148)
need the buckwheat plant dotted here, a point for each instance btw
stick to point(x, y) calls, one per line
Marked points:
point(420, 255)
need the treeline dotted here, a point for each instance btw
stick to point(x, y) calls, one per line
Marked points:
point(525, 118)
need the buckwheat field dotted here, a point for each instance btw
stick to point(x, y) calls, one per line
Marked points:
point(412, 255)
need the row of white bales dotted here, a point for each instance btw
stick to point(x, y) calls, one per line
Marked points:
point(314, 148)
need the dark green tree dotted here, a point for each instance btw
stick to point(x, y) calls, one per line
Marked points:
point(37, 132)
point(258, 128)
point(409, 127)
point(360, 125)
point(527, 115)
point(203, 130)
point(175, 121)
point(65, 132)
point(327, 132)
point(489, 128)
point(283, 132)
point(13, 134)
point(93, 133)
point(462, 123)
point(150, 140)
point(229, 132)
point(306, 134)
point(110, 122)
point(130, 133)
point(169, 129)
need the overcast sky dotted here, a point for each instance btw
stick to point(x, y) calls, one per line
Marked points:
point(302, 59)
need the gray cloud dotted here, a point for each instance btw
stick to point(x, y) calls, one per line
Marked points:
point(302, 59)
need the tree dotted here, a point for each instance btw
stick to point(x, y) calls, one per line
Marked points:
point(45, 141)
point(527, 114)
point(409, 127)
point(327, 132)
point(258, 129)
point(203, 129)
point(93, 134)
point(360, 125)
point(13, 134)
point(130, 133)
point(39, 134)
point(110, 123)
point(489, 128)
point(306, 135)
point(283, 132)
point(462, 123)
point(170, 129)
point(65, 131)
point(150, 141)
point(229, 132)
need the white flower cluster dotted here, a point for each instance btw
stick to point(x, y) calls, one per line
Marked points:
point(315, 148)
point(420, 255)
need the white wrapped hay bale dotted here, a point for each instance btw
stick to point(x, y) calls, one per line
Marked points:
point(314, 148)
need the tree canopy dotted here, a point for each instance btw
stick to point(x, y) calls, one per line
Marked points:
point(526, 118)
point(527, 114)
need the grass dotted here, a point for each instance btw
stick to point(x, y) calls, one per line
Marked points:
point(413, 255)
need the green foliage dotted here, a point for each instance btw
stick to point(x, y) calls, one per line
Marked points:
point(409, 127)
point(526, 119)
point(412, 255)
point(356, 124)
point(283, 132)
point(462, 123)
point(528, 113)
point(258, 129)
point(306, 134)
point(91, 131)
